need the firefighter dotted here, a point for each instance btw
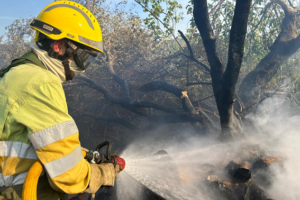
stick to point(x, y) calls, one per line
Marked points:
point(34, 119)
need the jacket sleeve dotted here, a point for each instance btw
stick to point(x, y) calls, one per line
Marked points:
point(54, 135)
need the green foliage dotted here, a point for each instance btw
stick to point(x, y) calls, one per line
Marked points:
point(163, 16)
point(263, 26)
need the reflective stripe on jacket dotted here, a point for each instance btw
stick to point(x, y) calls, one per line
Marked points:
point(35, 124)
point(15, 152)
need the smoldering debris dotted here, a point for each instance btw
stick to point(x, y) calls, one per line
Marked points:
point(213, 172)
point(246, 176)
point(262, 167)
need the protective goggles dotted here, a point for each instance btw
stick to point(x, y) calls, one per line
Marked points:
point(82, 56)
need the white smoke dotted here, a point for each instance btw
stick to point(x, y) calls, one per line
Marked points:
point(279, 131)
point(276, 130)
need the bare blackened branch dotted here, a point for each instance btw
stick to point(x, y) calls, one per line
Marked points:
point(164, 86)
point(100, 89)
point(113, 120)
point(203, 99)
point(199, 83)
point(120, 101)
point(186, 103)
point(144, 104)
point(191, 52)
point(188, 107)
point(118, 79)
point(125, 102)
point(187, 44)
point(119, 121)
point(158, 119)
point(199, 63)
point(181, 118)
point(66, 84)
point(169, 119)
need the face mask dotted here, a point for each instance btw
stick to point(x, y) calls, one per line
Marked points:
point(82, 57)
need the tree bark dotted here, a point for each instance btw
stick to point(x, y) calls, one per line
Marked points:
point(224, 82)
point(286, 44)
point(230, 126)
point(216, 65)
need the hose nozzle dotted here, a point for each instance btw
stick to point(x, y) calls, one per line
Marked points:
point(119, 161)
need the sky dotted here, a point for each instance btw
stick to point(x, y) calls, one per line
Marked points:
point(12, 10)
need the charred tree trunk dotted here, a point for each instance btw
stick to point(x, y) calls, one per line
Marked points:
point(224, 82)
point(286, 44)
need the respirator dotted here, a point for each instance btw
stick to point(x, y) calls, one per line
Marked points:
point(83, 57)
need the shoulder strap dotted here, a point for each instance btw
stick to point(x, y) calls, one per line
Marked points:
point(29, 57)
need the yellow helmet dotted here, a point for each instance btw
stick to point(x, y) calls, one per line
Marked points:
point(67, 19)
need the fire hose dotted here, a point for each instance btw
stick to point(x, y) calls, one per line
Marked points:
point(31, 181)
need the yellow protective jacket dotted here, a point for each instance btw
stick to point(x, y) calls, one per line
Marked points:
point(35, 124)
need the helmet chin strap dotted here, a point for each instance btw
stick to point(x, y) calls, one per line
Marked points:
point(69, 73)
point(44, 45)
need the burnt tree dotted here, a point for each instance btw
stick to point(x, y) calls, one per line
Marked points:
point(224, 80)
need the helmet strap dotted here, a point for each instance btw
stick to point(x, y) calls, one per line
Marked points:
point(69, 74)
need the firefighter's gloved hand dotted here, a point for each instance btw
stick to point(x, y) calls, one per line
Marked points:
point(102, 175)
